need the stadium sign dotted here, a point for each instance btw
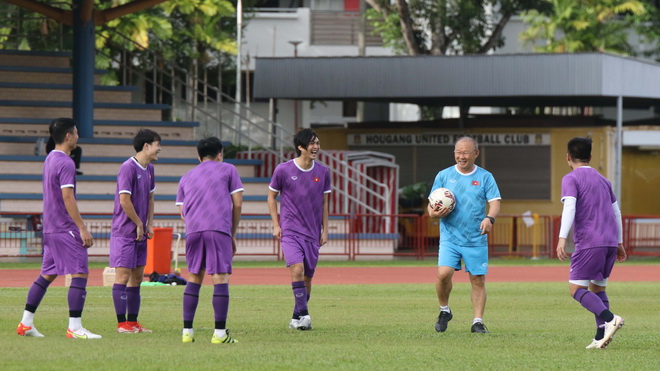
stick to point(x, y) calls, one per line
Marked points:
point(435, 139)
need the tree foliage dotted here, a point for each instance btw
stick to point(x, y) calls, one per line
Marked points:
point(440, 27)
point(648, 29)
point(585, 26)
point(179, 29)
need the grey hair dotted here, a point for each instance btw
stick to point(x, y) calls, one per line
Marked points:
point(469, 139)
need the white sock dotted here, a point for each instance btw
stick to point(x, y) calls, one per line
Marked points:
point(189, 331)
point(220, 333)
point(75, 323)
point(477, 320)
point(28, 318)
point(445, 308)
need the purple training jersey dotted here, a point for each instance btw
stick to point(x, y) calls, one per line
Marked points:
point(595, 224)
point(205, 196)
point(59, 172)
point(138, 182)
point(301, 198)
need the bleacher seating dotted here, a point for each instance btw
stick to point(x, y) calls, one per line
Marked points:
point(36, 87)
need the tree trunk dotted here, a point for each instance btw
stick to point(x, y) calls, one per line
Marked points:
point(495, 35)
point(439, 41)
point(406, 27)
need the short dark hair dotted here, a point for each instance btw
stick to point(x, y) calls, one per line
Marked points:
point(209, 147)
point(59, 128)
point(303, 138)
point(144, 136)
point(579, 149)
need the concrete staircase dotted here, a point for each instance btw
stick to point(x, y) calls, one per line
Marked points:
point(35, 87)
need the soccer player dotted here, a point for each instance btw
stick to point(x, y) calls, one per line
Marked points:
point(132, 224)
point(210, 198)
point(65, 236)
point(302, 227)
point(591, 206)
point(463, 232)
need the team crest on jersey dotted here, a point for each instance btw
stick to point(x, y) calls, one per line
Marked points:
point(475, 182)
point(294, 177)
point(317, 180)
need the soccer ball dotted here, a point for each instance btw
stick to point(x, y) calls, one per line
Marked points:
point(442, 198)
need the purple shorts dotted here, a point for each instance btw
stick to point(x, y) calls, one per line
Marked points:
point(125, 252)
point(210, 251)
point(299, 250)
point(592, 264)
point(64, 253)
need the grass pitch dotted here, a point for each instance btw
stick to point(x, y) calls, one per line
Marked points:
point(356, 327)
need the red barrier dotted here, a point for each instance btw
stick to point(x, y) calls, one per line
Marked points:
point(641, 235)
point(361, 236)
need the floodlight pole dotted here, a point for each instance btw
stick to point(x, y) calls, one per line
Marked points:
point(239, 41)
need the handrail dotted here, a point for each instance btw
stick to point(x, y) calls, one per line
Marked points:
point(252, 120)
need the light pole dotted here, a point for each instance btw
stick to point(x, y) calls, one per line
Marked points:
point(239, 41)
point(296, 119)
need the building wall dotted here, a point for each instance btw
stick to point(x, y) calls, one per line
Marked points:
point(641, 182)
point(640, 175)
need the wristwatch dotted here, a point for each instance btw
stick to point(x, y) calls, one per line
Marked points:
point(492, 220)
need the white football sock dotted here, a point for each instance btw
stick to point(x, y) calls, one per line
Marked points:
point(28, 318)
point(75, 323)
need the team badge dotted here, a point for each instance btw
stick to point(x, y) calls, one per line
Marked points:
point(475, 182)
point(317, 180)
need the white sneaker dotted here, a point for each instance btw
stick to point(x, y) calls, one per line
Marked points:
point(23, 330)
point(294, 323)
point(305, 323)
point(610, 329)
point(81, 333)
point(593, 345)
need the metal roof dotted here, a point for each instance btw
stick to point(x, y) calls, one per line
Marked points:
point(594, 79)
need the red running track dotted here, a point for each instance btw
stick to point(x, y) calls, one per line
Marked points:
point(372, 275)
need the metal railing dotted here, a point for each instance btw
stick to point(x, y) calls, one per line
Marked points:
point(350, 237)
point(240, 123)
point(195, 99)
point(13, 34)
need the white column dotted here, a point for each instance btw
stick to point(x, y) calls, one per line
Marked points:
point(619, 148)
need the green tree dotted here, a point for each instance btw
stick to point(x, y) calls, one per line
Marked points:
point(180, 30)
point(584, 26)
point(440, 27)
point(649, 31)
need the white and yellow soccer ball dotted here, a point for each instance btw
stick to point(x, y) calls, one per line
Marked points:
point(442, 198)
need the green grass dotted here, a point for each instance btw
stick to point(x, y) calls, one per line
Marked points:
point(35, 263)
point(356, 327)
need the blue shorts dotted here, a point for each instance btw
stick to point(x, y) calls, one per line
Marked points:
point(475, 258)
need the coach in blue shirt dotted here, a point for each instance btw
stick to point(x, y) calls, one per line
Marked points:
point(463, 231)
